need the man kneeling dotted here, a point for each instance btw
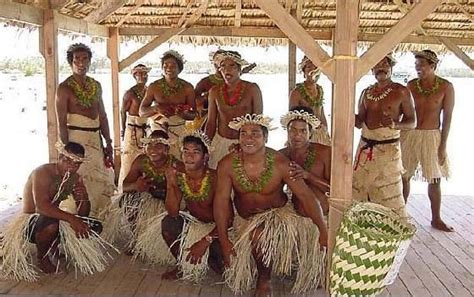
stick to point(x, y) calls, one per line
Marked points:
point(43, 222)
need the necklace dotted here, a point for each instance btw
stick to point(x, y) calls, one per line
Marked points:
point(87, 95)
point(189, 194)
point(428, 92)
point(369, 94)
point(152, 172)
point(236, 96)
point(169, 90)
point(215, 79)
point(253, 185)
point(310, 158)
point(314, 101)
point(139, 94)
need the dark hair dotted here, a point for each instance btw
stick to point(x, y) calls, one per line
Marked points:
point(195, 140)
point(430, 61)
point(77, 47)
point(75, 148)
point(178, 61)
point(159, 134)
point(219, 51)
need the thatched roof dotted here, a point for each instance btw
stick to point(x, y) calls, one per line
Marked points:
point(141, 18)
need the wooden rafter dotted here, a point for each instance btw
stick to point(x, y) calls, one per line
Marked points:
point(57, 4)
point(185, 14)
point(299, 11)
point(104, 10)
point(395, 35)
point(297, 34)
point(464, 11)
point(238, 13)
point(138, 4)
point(458, 52)
point(288, 5)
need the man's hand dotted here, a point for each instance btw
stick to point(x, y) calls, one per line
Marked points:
point(170, 174)
point(79, 190)
point(196, 251)
point(227, 251)
point(143, 184)
point(297, 172)
point(109, 156)
point(80, 227)
point(234, 148)
point(387, 121)
point(323, 239)
point(442, 155)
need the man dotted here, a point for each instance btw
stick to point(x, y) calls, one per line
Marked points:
point(173, 99)
point(271, 231)
point(309, 161)
point(192, 235)
point(232, 99)
point(133, 126)
point(43, 222)
point(144, 190)
point(82, 119)
point(385, 108)
point(310, 94)
point(426, 145)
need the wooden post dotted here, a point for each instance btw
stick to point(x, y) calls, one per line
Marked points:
point(345, 46)
point(113, 54)
point(291, 66)
point(49, 49)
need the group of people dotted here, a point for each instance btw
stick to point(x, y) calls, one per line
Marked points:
point(199, 189)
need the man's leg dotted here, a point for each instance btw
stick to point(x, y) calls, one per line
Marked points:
point(406, 188)
point(434, 193)
point(46, 231)
point(171, 228)
point(215, 259)
point(264, 286)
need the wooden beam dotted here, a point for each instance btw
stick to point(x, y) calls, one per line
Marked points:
point(291, 66)
point(138, 4)
point(57, 4)
point(104, 10)
point(288, 5)
point(395, 35)
point(186, 11)
point(163, 38)
point(299, 11)
point(49, 49)
point(113, 54)
point(297, 34)
point(345, 45)
point(21, 12)
point(238, 13)
point(458, 52)
point(79, 26)
point(464, 11)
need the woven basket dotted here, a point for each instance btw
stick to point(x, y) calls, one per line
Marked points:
point(370, 246)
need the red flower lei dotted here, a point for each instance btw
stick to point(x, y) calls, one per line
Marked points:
point(236, 96)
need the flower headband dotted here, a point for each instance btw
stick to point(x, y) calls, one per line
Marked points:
point(311, 119)
point(199, 134)
point(234, 57)
point(140, 68)
point(303, 63)
point(155, 140)
point(175, 54)
point(255, 119)
point(428, 55)
point(60, 147)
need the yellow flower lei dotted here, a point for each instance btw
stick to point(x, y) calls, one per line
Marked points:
point(189, 194)
point(85, 96)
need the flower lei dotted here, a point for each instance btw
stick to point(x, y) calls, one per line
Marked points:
point(428, 92)
point(313, 101)
point(245, 182)
point(215, 79)
point(310, 158)
point(138, 94)
point(67, 187)
point(169, 90)
point(236, 96)
point(188, 193)
point(369, 93)
point(157, 176)
point(85, 96)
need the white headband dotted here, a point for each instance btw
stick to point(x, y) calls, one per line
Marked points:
point(234, 57)
point(60, 147)
point(199, 134)
point(253, 119)
point(139, 68)
point(311, 119)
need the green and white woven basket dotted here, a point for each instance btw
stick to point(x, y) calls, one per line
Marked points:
point(370, 246)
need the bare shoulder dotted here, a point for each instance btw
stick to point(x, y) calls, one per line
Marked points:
point(250, 85)
point(445, 83)
point(285, 151)
point(322, 149)
point(188, 85)
point(43, 172)
point(280, 159)
point(225, 164)
point(400, 88)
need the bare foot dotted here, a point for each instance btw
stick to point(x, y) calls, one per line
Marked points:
point(46, 266)
point(264, 289)
point(172, 274)
point(440, 225)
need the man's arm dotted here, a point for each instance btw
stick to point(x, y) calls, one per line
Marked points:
point(173, 193)
point(361, 112)
point(257, 103)
point(104, 127)
point(212, 114)
point(79, 193)
point(126, 103)
point(408, 120)
point(294, 98)
point(131, 182)
point(222, 202)
point(146, 110)
point(448, 106)
point(323, 117)
point(62, 98)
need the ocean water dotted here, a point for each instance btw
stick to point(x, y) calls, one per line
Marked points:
point(23, 125)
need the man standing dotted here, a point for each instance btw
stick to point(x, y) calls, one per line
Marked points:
point(232, 99)
point(173, 100)
point(82, 119)
point(270, 231)
point(426, 145)
point(133, 126)
point(385, 108)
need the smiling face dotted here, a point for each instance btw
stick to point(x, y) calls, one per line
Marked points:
point(80, 62)
point(157, 152)
point(230, 71)
point(170, 68)
point(252, 138)
point(382, 70)
point(141, 77)
point(298, 134)
point(424, 67)
point(193, 156)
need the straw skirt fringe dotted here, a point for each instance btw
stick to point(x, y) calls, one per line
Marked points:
point(321, 135)
point(288, 242)
point(420, 155)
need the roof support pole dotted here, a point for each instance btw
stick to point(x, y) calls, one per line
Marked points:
point(291, 66)
point(113, 43)
point(458, 52)
point(345, 47)
point(48, 45)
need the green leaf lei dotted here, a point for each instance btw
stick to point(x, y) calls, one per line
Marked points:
point(310, 158)
point(245, 182)
point(313, 101)
point(85, 96)
point(189, 194)
point(67, 189)
point(431, 91)
point(215, 80)
point(167, 89)
point(138, 94)
point(158, 176)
